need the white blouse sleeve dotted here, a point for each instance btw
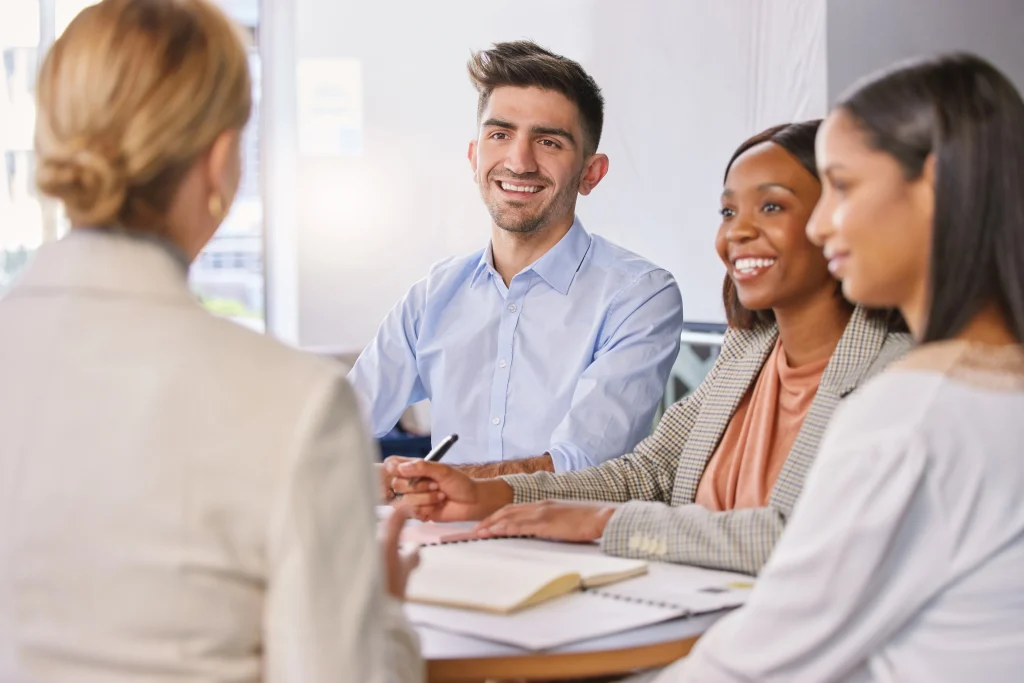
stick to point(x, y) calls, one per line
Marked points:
point(327, 617)
point(856, 562)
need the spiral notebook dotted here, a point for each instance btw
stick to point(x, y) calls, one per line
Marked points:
point(665, 591)
point(502, 578)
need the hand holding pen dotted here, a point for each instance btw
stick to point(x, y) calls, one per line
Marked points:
point(437, 492)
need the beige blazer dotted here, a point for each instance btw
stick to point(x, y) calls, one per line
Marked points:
point(665, 469)
point(180, 499)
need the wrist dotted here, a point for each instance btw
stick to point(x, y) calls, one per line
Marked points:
point(604, 516)
point(494, 495)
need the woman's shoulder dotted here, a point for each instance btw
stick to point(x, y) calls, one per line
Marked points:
point(739, 341)
point(894, 347)
point(979, 365)
point(933, 386)
point(871, 343)
point(230, 358)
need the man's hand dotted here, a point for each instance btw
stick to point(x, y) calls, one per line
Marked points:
point(554, 520)
point(397, 564)
point(431, 491)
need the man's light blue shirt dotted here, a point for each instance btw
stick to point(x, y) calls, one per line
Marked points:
point(570, 359)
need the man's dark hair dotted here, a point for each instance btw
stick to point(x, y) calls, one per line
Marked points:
point(524, 64)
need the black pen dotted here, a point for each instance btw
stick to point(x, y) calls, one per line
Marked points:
point(437, 453)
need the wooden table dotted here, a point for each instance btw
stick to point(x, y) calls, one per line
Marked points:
point(453, 658)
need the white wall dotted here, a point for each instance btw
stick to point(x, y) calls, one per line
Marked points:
point(685, 81)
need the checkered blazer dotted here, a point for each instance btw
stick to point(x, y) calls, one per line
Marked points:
point(658, 481)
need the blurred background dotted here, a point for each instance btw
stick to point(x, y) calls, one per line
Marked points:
point(228, 276)
point(356, 177)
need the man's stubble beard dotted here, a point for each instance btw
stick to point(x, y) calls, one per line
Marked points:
point(562, 202)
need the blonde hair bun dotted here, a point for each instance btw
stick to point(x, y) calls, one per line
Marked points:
point(129, 97)
point(92, 187)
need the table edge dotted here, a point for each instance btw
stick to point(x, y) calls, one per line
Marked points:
point(560, 664)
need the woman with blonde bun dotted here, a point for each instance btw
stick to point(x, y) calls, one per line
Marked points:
point(180, 499)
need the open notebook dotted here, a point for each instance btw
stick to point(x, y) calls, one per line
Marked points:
point(665, 591)
point(503, 578)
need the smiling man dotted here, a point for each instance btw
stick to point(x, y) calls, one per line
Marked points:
point(549, 349)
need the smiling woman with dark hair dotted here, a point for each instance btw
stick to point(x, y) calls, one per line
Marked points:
point(798, 140)
point(903, 558)
point(717, 481)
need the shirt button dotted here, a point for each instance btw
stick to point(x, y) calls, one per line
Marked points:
point(502, 363)
point(496, 421)
point(512, 308)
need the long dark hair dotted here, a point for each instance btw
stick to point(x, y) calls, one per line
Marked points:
point(798, 140)
point(966, 113)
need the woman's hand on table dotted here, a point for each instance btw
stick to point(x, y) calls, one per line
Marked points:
point(555, 520)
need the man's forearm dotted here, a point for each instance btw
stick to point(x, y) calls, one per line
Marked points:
point(541, 463)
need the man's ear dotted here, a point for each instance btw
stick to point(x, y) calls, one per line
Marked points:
point(595, 169)
point(471, 155)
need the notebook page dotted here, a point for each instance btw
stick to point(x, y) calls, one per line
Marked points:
point(429, 533)
point(460, 574)
point(695, 589)
point(570, 618)
point(592, 567)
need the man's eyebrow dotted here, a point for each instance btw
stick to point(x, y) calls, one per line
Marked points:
point(498, 123)
point(554, 132)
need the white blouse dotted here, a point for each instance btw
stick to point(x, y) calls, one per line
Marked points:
point(904, 558)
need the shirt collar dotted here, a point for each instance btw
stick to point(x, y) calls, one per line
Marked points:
point(557, 267)
point(484, 265)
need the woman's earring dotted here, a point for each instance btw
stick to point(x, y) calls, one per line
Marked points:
point(215, 206)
